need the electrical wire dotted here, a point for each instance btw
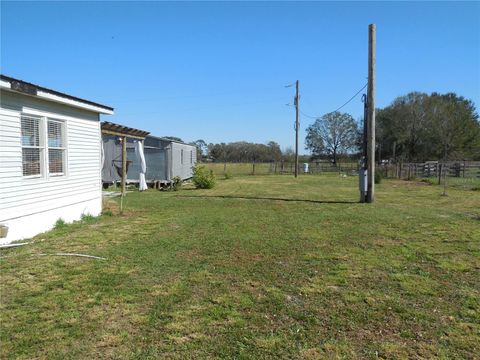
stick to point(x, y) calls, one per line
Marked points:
point(347, 102)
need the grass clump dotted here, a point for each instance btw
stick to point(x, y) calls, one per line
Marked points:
point(228, 175)
point(176, 183)
point(378, 177)
point(60, 224)
point(203, 178)
point(107, 213)
point(429, 181)
point(88, 218)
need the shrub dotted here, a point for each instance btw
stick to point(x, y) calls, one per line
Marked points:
point(202, 177)
point(60, 224)
point(176, 183)
point(378, 177)
point(228, 174)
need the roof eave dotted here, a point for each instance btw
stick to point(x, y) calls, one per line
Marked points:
point(55, 96)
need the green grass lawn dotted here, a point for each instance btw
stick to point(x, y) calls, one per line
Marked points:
point(259, 267)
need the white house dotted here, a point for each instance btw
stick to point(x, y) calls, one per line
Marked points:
point(50, 158)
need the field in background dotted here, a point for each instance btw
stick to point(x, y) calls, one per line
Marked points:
point(278, 168)
point(261, 267)
point(464, 175)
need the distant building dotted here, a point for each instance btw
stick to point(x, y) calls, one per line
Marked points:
point(165, 159)
point(50, 158)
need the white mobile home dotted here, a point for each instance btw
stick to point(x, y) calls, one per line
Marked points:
point(50, 158)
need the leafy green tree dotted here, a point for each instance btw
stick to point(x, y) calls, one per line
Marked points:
point(405, 123)
point(455, 126)
point(419, 127)
point(333, 134)
point(274, 151)
point(202, 148)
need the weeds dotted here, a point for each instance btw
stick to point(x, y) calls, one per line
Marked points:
point(60, 224)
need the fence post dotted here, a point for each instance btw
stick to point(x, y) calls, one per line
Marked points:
point(439, 169)
point(253, 167)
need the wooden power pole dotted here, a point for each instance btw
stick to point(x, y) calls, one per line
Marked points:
point(371, 114)
point(297, 126)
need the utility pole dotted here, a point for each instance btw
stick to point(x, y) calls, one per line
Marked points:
point(371, 114)
point(362, 175)
point(297, 126)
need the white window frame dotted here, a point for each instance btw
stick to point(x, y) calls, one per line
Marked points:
point(41, 146)
point(63, 147)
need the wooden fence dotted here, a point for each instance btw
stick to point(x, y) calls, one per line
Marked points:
point(431, 169)
point(400, 170)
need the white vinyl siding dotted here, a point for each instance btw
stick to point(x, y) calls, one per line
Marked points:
point(181, 168)
point(80, 146)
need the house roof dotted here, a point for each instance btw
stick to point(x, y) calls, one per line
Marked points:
point(110, 128)
point(168, 140)
point(16, 85)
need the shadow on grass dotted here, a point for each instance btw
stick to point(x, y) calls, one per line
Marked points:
point(268, 198)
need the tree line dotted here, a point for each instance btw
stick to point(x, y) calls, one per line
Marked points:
point(414, 127)
point(242, 151)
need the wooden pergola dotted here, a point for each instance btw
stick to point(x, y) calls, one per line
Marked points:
point(123, 132)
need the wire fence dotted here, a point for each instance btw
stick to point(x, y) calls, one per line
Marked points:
point(464, 173)
point(282, 167)
point(454, 173)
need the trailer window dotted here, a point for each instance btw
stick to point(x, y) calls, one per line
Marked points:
point(56, 147)
point(32, 146)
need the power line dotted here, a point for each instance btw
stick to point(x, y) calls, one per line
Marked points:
point(353, 97)
point(347, 102)
point(309, 116)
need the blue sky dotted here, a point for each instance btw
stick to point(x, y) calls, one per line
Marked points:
point(216, 70)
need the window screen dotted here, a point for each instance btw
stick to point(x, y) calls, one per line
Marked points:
point(56, 149)
point(31, 149)
point(55, 134)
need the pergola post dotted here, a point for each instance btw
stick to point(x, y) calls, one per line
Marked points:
point(124, 165)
